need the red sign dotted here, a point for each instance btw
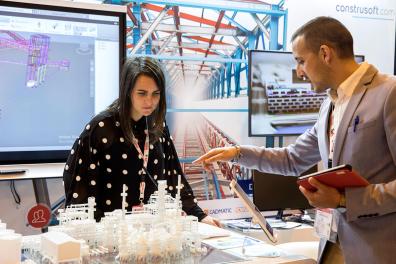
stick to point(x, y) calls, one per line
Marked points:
point(39, 216)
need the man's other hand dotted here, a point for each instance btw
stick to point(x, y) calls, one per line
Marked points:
point(324, 197)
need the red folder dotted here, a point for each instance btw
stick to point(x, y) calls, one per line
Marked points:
point(339, 177)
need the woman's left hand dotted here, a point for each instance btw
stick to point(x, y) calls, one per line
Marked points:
point(211, 221)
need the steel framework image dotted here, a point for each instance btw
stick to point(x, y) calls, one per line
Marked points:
point(204, 46)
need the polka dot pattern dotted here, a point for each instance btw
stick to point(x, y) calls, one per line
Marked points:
point(102, 142)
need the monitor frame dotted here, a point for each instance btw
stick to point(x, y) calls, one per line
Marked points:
point(277, 189)
point(56, 156)
point(359, 58)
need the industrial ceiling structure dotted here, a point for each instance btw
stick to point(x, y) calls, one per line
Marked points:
point(205, 40)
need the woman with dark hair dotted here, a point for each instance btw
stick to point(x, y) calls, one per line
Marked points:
point(128, 143)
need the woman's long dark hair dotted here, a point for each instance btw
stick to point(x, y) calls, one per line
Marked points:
point(132, 69)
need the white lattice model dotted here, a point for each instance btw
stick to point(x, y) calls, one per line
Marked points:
point(155, 232)
point(10, 245)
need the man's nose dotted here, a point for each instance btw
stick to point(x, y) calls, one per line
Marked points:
point(301, 73)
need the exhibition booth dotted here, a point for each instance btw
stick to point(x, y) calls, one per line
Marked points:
point(230, 81)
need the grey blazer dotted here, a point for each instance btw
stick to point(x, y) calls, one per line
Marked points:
point(367, 230)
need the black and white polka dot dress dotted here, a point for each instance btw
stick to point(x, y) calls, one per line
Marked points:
point(101, 161)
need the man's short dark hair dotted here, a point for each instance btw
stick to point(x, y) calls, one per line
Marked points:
point(326, 31)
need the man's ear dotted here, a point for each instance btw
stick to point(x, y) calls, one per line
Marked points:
point(326, 53)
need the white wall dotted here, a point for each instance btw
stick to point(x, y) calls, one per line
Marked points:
point(373, 34)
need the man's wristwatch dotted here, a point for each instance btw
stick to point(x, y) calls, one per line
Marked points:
point(237, 156)
point(342, 203)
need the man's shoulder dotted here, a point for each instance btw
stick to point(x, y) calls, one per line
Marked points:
point(384, 84)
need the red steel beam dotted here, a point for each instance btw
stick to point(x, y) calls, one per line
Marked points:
point(178, 34)
point(202, 51)
point(221, 15)
point(131, 15)
point(208, 40)
point(188, 16)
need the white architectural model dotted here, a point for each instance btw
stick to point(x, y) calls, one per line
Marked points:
point(59, 247)
point(10, 245)
point(156, 232)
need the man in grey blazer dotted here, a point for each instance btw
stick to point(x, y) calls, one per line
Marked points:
point(356, 126)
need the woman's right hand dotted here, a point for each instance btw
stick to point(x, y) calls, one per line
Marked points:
point(216, 154)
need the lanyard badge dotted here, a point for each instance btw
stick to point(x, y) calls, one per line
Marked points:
point(145, 157)
point(326, 224)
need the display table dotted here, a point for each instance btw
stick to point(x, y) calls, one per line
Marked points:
point(298, 234)
point(300, 240)
point(38, 173)
point(215, 255)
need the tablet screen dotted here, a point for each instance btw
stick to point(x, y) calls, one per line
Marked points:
point(257, 216)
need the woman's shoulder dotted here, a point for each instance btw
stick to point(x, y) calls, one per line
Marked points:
point(104, 123)
point(105, 118)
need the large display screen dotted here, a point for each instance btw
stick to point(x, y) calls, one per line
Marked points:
point(59, 67)
point(280, 103)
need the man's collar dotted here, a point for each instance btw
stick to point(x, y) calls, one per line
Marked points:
point(347, 87)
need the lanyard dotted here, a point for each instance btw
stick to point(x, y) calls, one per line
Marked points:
point(145, 156)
